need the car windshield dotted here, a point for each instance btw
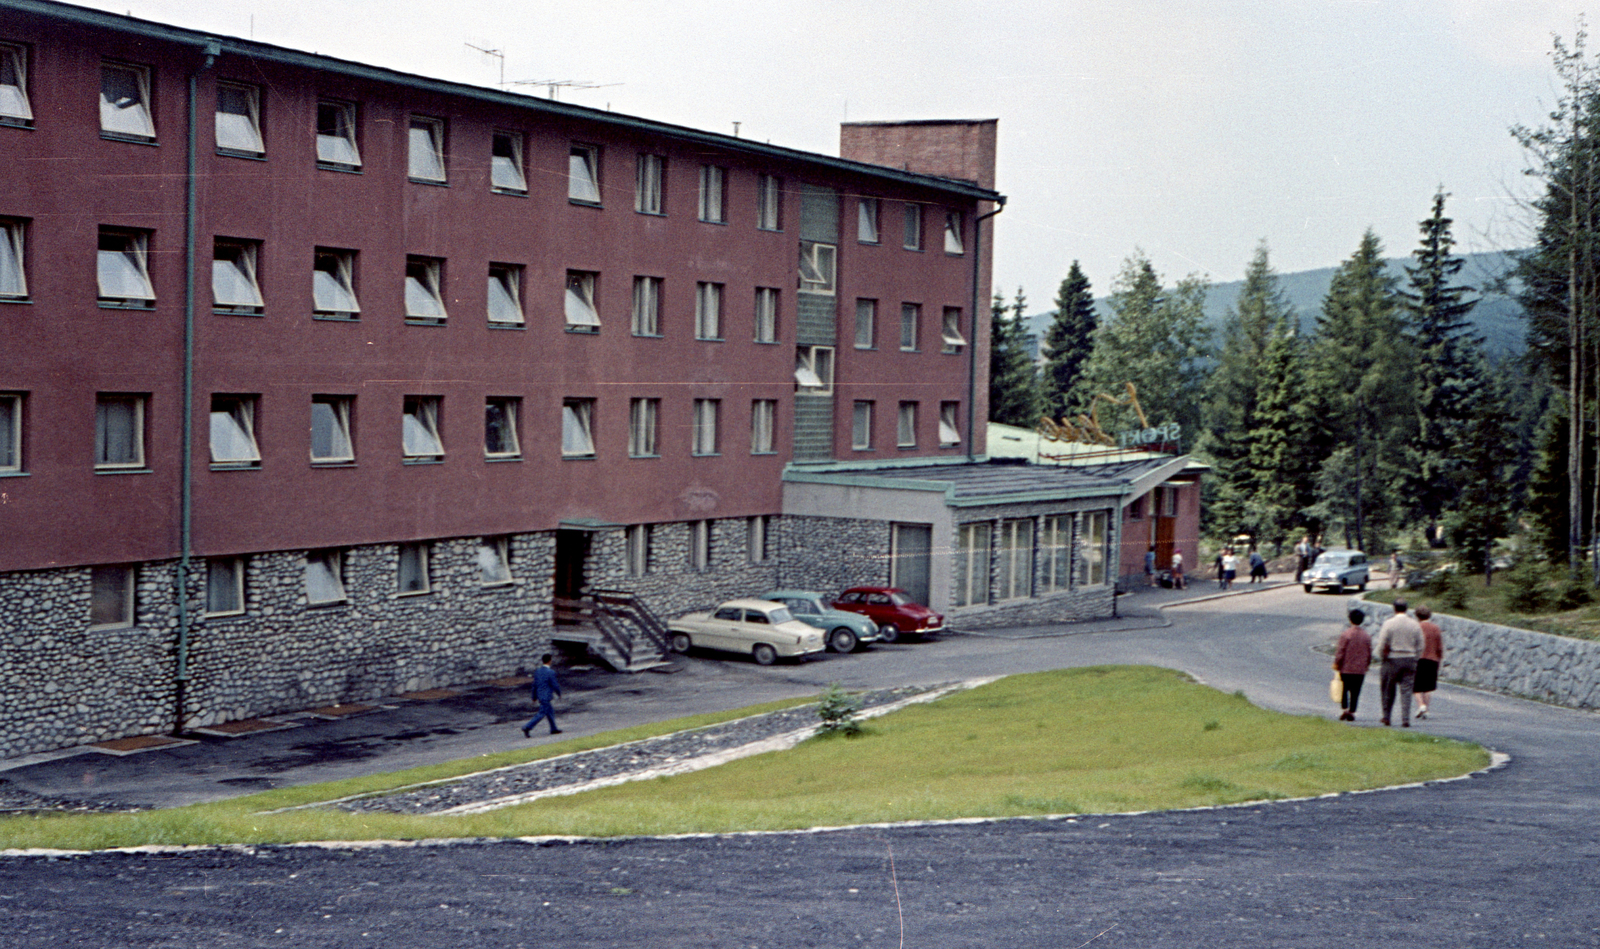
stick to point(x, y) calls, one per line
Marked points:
point(900, 599)
point(1332, 560)
point(780, 615)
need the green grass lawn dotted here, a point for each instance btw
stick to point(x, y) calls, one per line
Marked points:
point(1102, 739)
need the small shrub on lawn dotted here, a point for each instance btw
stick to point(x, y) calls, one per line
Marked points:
point(837, 709)
point(1526, 590)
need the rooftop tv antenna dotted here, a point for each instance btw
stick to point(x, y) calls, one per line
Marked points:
point(499, 54)
point(552, 86)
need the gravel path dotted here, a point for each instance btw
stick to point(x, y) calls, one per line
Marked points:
point(15, 800)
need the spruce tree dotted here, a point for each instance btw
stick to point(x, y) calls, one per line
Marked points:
point(1282, 470)
point(1069, 340)
point(1013, 383)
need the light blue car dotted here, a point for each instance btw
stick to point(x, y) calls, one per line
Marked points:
point(845, 631)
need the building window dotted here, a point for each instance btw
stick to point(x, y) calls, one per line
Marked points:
point(235, 286)
point(1055, 552)
point(494, 560)
point(118, 431)
point(583, 174)
point(324, 576)
point(330, 429)
point(419, 428)
point(953, 226)
point(707, 412)
point(233, 431)
point(647, 195)
point(700, 545)
point(769, 203)
point(111, 604)
point(500, 428)
point(427, 150)
point(861, 426)
point(766, 315)
point(333, 284)
point(336, 134)
point(708, 311)
point(10, 433)
point(1016, 558)
point(642, 415)
point(125, 102)
point(866, 324)
point(763, 417)
point(425, 290)
point(239, 120)
point(1092, 548)
point(124, 269)
point(411, 570)
point(818, 267)
point(14, 107)
point(582, 314)
point(910, 316)
point(637, 551)
point(13, 272)
point(646, 316)
point(505, 164)
point(224, 586)
point(906, 427)
point(972, 564)
point(577, 434)
point(1136, 509)
point(949, 424)
point(867, 220)
point(1169, 502)
point(756, 529)
point(813, 370)
point(913, 220)
point(713, 186)
point(950, 334)
point(505, 294)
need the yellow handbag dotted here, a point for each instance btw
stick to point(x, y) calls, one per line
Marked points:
point(1336, 688)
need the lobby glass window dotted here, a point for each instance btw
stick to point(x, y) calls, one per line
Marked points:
point(411, 570)
point(1016, 558)
point(111, 597)
point(769, 203)
point(425, 290)
point(330, 429)
point(15, 108)
point(494, 560)
point(949, 424)
point(325, 577)
point(708, 311)
point(13, 262)
point(766, 314)
point(500, 428)
point(125, 110)
point(954, 222)
point(124, 269)
point(583, 174)
point(426, 150)
point(646, 315)
point(972, 564)
point(647, 189)
point(866, 324)
point(707, 415)
point(1055, 552)
point(225, 586)
point(763, 419)
point(336, 135)
point(910, 316)
point(906, 427)
point(10, 433)
point(813, 370)
point(818, 267)
point(642, 415)
point(505, 294)
point(950, 333)
point(419, 428)
point(505, 164)
point(235, 286)
point(713, 191)
point(118, 431)
point(233, 431)
point(333, 284)
point(913, 227)
point(577, 433)
point(238, 120)
point(582, 314)
point(861, 426)
point(1092, 548)
point(867, 220)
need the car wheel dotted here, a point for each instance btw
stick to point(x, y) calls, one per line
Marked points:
point(1339, 587)
point(1363, 586)
point(764, 654)
point(842, 640)
point(680, 642)
point(1308, 588)
point(889, 633)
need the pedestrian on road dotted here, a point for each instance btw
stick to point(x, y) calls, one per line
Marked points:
point(1395, 566)
point(1429, 661)
point(1351, 660)
point(1399, 644)
point(1302, 554)
point(1230, 569)
point(1258, 567)
point(545, 689)
point(1178, 582)
point(1150, 565)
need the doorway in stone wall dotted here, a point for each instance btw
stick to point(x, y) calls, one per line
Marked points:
point(572, 555)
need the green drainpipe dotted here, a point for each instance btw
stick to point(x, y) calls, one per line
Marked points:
point(972, 347)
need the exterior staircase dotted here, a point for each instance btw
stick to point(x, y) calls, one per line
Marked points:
point(615, 626)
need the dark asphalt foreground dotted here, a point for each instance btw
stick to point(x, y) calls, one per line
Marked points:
point(1505, 858)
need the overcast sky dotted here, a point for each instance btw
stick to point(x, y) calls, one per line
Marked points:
point(1191, 129)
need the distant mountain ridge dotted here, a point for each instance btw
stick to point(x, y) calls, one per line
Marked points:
point(1497, 318)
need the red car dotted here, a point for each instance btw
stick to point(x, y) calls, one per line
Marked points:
point(893, 611)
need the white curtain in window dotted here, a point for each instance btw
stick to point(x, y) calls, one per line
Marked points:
point(118, 440)
point(906, 430)
point(867, 220)
point(766, 315)
point(412, 575)
point(866, 320)
point(647, 194)
point(111, 596)
point(952, 233)
point(972, 564)
point(949, 431)
point(427, 152)
point(861, 426)
point(233, 437)
point(238, 121)
point(952, 329)
point(420, 429)
point(124, 101)
point(642, 427)
point(9, 412)
point(646, 306)
point(705, 426)
point(910, 313)
point(423, 300)
point(13, 280)
point(504, 306)
point(336, 136)
point(710, 193)
point(122, 268)
point(913, 240)
point(324, 576)
point(575, 434)
point(762, 413)
point(14, 84)
point(492, 565)
point(580, 300)
point(233, 277)
point(333, 286)
point(708, 311)
point(505, 162)
point(582, 183)
point(223, 585)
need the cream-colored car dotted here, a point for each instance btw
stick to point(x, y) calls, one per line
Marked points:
point(761, 629)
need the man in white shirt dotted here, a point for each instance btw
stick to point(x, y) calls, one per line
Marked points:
point(1399, 644)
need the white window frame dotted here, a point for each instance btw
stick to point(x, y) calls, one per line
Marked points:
point(10, 433)
point(577, 428)
point(700, 545)
point(769, 203)
point(713, 194)
point(235, 284)
point(494, 561)
point(757, 531)
point(105, 457)
point(648, 192)
point(225, 586)
point(1015, 552)
point(233, 432)
point(333, 284)
point(127, 113)
point(425, 153)
point(504, 306)
point(13, 259)
point(116, 607)
point(950, 332)
point(867, 221)
point(972, 564)
point(819, 267)
point(954, 242)
point(643, 421)
point(420, 428)
point(505, 171)
point(412, 576)
point(910, 326)
point(424, 290)
point(239, 133)
point(707, 416)
point(813, 370)
point(767, 300)
point(324, 577)
point(15, 108)
point(913, 227)
point(336, 141)
point(861, 425)
point(866, 324)
point(500, 416)
point(763, 424)
point(583, 174)
point(583, 315)
point(1093, 548)
point(906, 426)
point(645, 317)
point(949, 424)
point(339, 409)
point(708, 311)
point(636, 550)
point(123, 267)
point(1055, 553)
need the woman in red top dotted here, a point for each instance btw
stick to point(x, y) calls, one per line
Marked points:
point(1429, 660)
point(1351, 660)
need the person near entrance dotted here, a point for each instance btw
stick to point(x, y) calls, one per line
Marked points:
point(545, 689)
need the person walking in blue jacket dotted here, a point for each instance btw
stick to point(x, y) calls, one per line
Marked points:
point(545, 689)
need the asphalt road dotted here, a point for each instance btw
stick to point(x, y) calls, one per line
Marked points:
point(1506, 858)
